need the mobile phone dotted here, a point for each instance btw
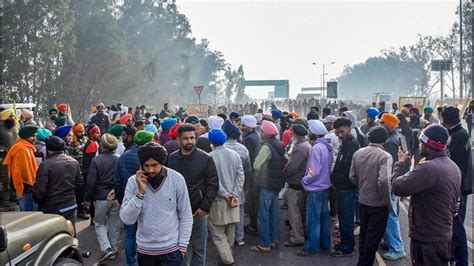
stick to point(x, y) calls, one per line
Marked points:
point(403, 142)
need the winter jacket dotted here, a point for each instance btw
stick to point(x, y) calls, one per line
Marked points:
point(435, 187)
point(371, 171)
point(101, 176)
point(296, 167)
point(171, 146)
point(459, 147)
point(342, 167)
point(127, 166)
point(252, 142)
point(318, 174)
point(102, 121)
point(200, 174)
point(393, 144)
point(56, 180)
point(270, 163)
point(204, 143)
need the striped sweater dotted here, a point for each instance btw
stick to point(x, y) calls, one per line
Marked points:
point(164, 215)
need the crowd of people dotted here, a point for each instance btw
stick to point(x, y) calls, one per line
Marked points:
point(172, 181)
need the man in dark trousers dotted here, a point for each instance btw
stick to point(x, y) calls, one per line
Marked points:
point(371, 170)
point(434, 187)
point(459, 147)
point(200, 174)
point(57, 178)
point(346, 190)
point(251, 140)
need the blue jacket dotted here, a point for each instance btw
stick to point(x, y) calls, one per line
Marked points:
point(127, 166)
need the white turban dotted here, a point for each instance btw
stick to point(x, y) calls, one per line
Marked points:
point(215, 122)
point(317, 127)
point(258, 116)
point(249, 121)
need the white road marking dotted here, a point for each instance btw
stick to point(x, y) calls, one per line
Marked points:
point(379, 259)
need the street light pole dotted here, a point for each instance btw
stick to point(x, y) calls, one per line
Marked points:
point(323, 87)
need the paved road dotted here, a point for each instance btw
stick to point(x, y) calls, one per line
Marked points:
point(282, 256)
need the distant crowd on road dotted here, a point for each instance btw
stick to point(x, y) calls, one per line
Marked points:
point(169, 179)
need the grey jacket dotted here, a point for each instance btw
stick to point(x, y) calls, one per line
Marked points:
point(371, 171)
point(296, 167)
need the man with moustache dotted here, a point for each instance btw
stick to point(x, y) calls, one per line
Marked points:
point(200, 173)
point(9, 135)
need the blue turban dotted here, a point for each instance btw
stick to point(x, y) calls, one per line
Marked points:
point(168, 123)
point(372, 113)
point(151, 128)
point(276, 113)
point(62, 131)
point(379, 116)
point(217, 136)
point(231, 130)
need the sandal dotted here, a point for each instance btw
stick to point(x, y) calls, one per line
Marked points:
point(258, 248)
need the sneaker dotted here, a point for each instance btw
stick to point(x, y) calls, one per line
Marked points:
point(107, 254)
point(394, 256)
point(112, 257)
point(338, 253)
point(240, 243)
point(356, 230)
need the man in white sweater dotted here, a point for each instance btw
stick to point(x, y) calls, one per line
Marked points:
point(157, 198)
point(224, 213)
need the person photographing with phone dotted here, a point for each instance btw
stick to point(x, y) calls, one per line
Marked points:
point(157, 198)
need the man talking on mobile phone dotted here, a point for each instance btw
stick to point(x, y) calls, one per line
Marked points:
point(157, 197)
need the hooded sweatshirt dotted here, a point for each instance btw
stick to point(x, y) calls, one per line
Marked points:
point(318, 171)
point(356, 131)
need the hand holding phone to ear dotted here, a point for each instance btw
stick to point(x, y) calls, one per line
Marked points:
point(140, 177)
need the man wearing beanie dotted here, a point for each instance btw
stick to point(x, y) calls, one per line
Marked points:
point(100, 189)
point(434, 187)
point(294, 171)
point(157, 199)
point(22, 166)
point(199, 171)
point(371, 170)
point(316, 182)
point(127, 165)
point(233, 134)
point(393, 238)
point(269, 166)
point(57, 179)
point(225, 210)
point(460, 152)
point(251, 140)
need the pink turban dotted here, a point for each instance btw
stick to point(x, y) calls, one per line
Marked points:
point(125, 118)
point(269, 128)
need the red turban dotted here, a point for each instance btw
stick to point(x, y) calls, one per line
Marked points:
point(174, 130)
point(125, 118)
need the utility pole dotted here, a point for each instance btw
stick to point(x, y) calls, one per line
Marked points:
point(461, 70)
point(441, 82)
point(324, 83)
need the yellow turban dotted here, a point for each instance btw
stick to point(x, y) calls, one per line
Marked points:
point(5, 114)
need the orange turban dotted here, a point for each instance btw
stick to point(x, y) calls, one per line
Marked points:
point(62, 107)
point(294, 115)
point(390, 119)
point(77, 128)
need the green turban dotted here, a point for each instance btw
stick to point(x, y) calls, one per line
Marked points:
point(428, 109)
point(43, 134)
point(27, 131)
point(116, 130)
point(61, 121)
point(142, 137)
point(53, 110)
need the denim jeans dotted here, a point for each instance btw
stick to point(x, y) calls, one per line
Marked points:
point(317, 221)
point(268, 218)
point(27, 204)
point(196, 254)
point(459, 250)
point(392, 232)
point(130, 244)
point(346, 202)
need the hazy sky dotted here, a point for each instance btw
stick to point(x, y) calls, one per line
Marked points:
point(281, 39)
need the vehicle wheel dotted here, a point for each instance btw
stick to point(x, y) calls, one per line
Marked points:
point(66, 262)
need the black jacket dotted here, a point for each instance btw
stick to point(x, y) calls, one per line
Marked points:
point(252, 142)
point(101, 176)
point(340, 174)
point(57, 178)
point(200, 174)
point(102, 121)
point(271, 175)
point(459, 148)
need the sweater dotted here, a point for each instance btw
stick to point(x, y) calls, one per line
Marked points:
point(317, 177)
point(164, 215)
